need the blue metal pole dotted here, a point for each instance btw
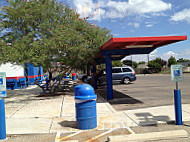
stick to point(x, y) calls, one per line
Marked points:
point(94, 77)
point(178, 112)
point(109, 77)
point(2, 120)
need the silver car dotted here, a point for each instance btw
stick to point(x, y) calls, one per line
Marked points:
point(123, 74)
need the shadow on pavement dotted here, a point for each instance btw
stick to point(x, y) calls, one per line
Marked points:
point(70, 124)
point(24, 96)
point(147, 119)
point(119, 97)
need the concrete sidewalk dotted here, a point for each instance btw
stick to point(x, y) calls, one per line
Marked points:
point(28, 114)
point(157, 115)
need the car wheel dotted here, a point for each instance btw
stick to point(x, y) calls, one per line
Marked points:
point(126, 80)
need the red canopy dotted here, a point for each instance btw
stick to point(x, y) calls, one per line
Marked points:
point(118, 48)
point(141, 42)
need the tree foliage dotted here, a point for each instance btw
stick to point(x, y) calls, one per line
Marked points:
point(172, 61)
point(141, 62)
point(130, 63)
point(117, 64)
point(182, 60)
point(156, 64)
point(45, 32)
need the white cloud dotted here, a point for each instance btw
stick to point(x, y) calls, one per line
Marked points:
point(143, 57)
point(84, 7)
point(98, 14)
point(149, 25)
point(167, 55)
point(137, 58)
point(159, 14)
point(135, 25)
point(146, 6)
point(119, 9)
point(87, 8)
point(164, 56)
point(170, 53)
point(154, 54)
point(183, 15)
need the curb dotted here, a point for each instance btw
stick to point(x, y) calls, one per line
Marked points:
point(150, 136)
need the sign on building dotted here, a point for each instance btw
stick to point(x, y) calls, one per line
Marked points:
point(3, 92)
point(176, 73)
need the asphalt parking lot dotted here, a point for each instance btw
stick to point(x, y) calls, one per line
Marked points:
point(148, 91)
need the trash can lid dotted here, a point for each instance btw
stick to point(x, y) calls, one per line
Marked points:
point(73, 74)
point(84, 92)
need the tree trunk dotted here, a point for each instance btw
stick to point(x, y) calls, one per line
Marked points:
point(52, 88)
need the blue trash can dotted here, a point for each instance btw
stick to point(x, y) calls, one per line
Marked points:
point(74, 77)
point(85, 103)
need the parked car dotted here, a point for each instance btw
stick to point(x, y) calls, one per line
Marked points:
point(83, 77)
point(123, 74)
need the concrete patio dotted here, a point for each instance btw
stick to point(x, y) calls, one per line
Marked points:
point(27, 113)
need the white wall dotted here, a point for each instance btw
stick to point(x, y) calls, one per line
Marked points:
point(12, 70)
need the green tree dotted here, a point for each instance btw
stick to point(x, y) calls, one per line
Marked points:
point(155, 67)
point(135, 65)
point(172, 61)
point(142, 62)
point(44, 32)
point(2, 51)
point(130, 63)
point(127, 62)
point(117, 64)
point(156, 64)
point(182, 60)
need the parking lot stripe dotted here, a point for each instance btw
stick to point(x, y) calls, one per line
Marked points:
point(57, 139)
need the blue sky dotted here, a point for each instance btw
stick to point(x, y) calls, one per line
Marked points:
point(134, 18)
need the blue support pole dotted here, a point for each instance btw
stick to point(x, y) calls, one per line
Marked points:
point(94, 77)
point(109, 77)
point(2, 120)
point(178, 112)
point(88, 70)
